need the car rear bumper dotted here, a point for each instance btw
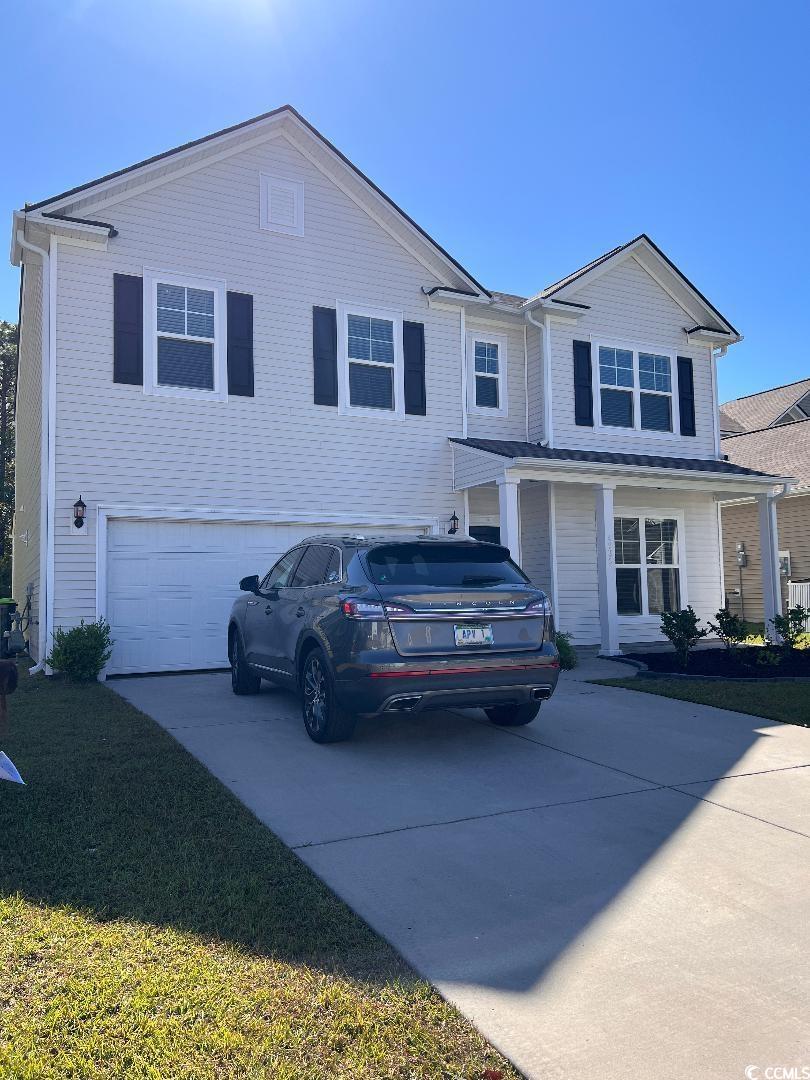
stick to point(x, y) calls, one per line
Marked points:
point(407, 687)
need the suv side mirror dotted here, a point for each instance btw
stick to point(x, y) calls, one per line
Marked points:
point(250, 583)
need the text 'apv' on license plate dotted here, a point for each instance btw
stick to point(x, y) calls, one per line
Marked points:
point(473, 635)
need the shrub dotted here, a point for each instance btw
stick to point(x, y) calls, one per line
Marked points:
point(568, 654)
point(790, 626)
point(682, 629)
point(81, 652)
point(731, 629)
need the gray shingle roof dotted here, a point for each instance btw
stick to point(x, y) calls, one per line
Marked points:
point(756, 411)
point(510, 449)
point(783, 450)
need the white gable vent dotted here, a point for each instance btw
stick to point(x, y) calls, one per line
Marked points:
point(282, 205)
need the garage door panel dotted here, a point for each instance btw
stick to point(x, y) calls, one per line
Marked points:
point(171, 585)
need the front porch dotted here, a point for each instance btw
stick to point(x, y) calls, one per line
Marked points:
point(614, 539)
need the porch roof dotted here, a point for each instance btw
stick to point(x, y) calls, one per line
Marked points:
point(510, 449)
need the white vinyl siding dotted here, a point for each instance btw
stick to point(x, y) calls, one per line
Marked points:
point(275, 449)
point(578, 603)
point(28, 451)
point(627, 307)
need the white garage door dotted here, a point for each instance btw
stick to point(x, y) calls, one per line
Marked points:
point(171, 584)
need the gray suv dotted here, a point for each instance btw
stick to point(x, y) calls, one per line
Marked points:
point(392, 624)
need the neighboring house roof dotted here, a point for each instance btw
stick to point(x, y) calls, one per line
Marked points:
point(756, 411)
point(783, 450)
point(510, 449)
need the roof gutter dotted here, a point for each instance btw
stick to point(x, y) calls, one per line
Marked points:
point(46, 336)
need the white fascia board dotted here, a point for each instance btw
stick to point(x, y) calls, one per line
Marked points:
point(76, 232)
point(579, 469)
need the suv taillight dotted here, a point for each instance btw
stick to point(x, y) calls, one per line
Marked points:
point(372, 609)
point(538, 607)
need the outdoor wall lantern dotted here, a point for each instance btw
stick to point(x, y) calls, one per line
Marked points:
point(78, 513)
point(453, 524)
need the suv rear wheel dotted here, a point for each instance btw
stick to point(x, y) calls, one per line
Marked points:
point(324, 718)
point(243, 680)
point(512, 715)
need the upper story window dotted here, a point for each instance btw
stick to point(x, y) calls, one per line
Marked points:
point(281, 205)
point(635, 389)
point(486, 355)
point(370, 371)
point(185, 336)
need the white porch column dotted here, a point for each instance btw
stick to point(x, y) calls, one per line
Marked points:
point(769, 546)
point(606, 569)
point(509, 512)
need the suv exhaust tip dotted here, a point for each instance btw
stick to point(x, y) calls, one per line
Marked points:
point(403, 704)
point(541, 693)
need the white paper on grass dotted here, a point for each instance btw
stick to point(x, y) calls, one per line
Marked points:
point(8, 770)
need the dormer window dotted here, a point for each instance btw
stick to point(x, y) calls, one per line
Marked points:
point(635, 389)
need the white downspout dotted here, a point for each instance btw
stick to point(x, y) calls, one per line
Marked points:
point(545, 331)
point(45, 334)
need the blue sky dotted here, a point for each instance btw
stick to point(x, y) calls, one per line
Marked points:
point(527, 138)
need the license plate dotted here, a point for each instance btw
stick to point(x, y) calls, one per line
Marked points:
point(473, 635)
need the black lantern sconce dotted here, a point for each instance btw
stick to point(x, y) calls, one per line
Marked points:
point(78, 513)
point(453, 525)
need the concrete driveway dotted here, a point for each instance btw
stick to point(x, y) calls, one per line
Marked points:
point(618, 890)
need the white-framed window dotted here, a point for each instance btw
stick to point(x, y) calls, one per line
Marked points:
point(281, 205)
point(649, 576)
point(486, 366)
point(370, 364)
point(635, 389)
point(184, 336)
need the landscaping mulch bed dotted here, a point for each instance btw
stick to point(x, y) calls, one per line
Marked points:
point(748, 662)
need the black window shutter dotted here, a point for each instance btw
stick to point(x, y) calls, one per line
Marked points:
point(686, 395)
point(240, 344)
point(324, 355)
point(583, 385)
point(128, 329)
point(413, 347)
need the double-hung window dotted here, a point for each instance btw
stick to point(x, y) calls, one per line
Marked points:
point(648, 574)
point(185, 333)
point(486, 360)
point(370, 372)
point(635, 389)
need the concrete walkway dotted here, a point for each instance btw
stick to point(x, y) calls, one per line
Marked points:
point(618, 890)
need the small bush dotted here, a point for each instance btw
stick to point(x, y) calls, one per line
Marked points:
point(568, 654)
point(683, 630)
point(731, 629)
point(81, 652)
point(790, 626)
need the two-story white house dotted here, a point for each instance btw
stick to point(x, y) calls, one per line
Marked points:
point(243, 340)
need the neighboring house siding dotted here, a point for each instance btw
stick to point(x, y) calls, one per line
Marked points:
point(28, 429)
point(741, 523)
point(578, 598)
point(277, 450)
point(627, 306)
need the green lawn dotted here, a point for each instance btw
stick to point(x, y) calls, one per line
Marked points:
point(786, 701)
point(151, 927)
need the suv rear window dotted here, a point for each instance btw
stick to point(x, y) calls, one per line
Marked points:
point(443, 565)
